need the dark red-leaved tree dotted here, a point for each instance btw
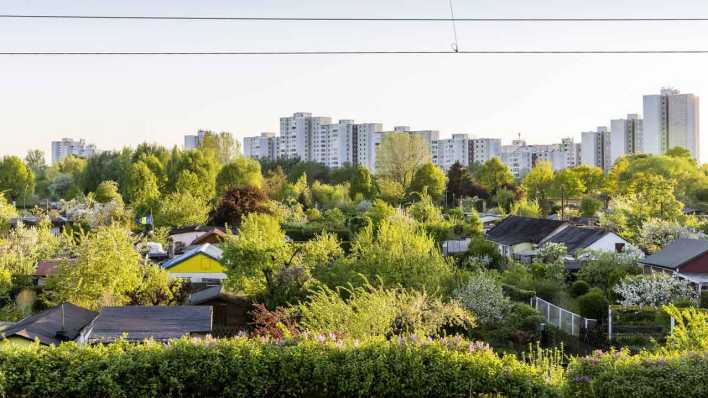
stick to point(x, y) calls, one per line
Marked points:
point(236, 203)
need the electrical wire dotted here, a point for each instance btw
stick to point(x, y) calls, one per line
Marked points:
point(348, 19)
point(386, 52)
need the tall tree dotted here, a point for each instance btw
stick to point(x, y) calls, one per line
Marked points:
point(592, 177)
point(224, 146)
point(236, 203)
point(362, 183)
point(142, 184)
point(494, 175)
point(16, 179)
point(36, 162)
point(566, 184)
point(242, 172)
point(399, 155)
point(429, 179)
point(106, 269)
point(538, 183)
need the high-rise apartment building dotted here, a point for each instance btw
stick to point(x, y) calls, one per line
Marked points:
point(447, 152)
point(68, 147)
point(194, 141)
point(671, 119)
point(625, 137)
point(365, 138)
point(481, 150)
point(260, 147)
point(596, 148)
point(521, 157)
point(297, 135)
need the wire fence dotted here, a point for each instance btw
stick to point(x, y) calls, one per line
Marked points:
point(567, 321)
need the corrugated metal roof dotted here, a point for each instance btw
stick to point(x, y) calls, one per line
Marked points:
point(515, 229)
point(208, 249)
point(677, 253)
point(138, 323)
point(46, 324)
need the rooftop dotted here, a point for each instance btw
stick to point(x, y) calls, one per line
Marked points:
point(47, 324)
point(677, 253)
point(516, 229)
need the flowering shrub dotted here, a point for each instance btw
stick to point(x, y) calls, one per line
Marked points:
point(482, 294)
point(316, 367)
point(653, 290)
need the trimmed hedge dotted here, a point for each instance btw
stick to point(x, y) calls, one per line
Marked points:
point(618, 374)
point(518, 294)
point(244, 367)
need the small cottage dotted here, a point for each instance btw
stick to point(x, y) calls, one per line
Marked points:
point(684, 258)
point(516, 234)
point(52, 326)
point(199, 265)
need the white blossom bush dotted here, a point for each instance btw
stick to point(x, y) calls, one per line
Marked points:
point(482, 294)
point(92, 214)
point(653, 290)
point(656, 233)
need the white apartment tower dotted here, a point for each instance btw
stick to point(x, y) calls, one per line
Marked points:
point(448, 151)
point(482, 149)
point(671, 119)
point(625, 137)
point(193, 141)
point(261, 147)
point(68, 147)
point(297, 134)
point(596, 148)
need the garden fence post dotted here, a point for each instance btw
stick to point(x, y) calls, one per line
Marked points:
point(609, 324)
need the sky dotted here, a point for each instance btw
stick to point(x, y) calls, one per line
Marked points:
point(115, 101)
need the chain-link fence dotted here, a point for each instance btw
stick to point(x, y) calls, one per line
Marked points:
point(569, 322)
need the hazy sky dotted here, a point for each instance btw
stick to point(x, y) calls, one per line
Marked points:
point(115, 101)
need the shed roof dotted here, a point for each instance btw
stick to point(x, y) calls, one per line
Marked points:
point(677, 253)
point(46, 324)
point(575, 238)
point(207, 249)
point(516, 229)
point(211, 293)
point(138, 323)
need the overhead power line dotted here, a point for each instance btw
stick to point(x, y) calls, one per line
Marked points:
point(348, 19)
point(403, 52)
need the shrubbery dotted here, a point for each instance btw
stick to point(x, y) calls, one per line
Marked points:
point(320, 367)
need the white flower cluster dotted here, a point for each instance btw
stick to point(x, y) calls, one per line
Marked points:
point(653, 290)
point(482, 294)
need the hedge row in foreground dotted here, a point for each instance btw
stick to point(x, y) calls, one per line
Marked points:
point(244, 367)
point(646, 375)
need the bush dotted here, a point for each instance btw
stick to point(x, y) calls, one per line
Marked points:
point(482, 294)
point(578, 288)
point(589, 206)
point(618, 374)
point(482, 248)
point(244, 367)
point(593, 304)
point(518, 294)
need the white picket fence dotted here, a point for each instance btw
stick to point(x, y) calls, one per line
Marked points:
point(567, 321)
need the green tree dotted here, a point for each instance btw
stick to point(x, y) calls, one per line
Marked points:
point(538, 183)
point(224, 147)
point(106, 268)
point(400, 254)
point(653, 197)
point(107, 191)
point(494, 175)
point(142, 184)
point(429, 179)
point(589, 206)
point(592, 177)
point(36, 162)
point(7, 212)
point(178, 209)
point(566, 184)
point(16, 179)
point(460, 184)
point(107, 166)
point(399, 155)
point(193, 171)
point(242, 172)
point(362, 183)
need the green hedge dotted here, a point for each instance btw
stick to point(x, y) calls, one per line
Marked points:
point(518, 294)
point(618, 374)
point(244, 367)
